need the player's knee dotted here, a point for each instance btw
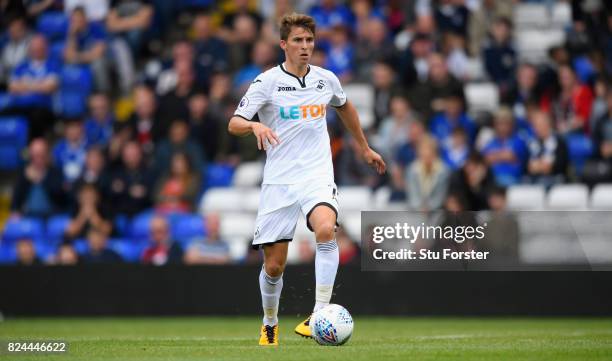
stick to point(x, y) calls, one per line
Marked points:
point(325, 231)
point(274, 268)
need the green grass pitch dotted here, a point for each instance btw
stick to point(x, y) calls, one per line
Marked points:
point(415, 339)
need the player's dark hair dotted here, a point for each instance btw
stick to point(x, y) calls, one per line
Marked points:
point(290, 21)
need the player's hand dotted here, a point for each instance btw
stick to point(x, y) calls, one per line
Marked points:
point(263, 134)
point(374, 160)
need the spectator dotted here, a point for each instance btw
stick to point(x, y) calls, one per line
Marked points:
point(548, 158)
point(86, 44)
point(244, 35)
point(95, 11)
point(183, 53)
point(91, 213)
point(394, 129)
point(602, 134)
point(177, 189)
point(95, 172)
point(66, 256)
point(328, 14)
point(98, 251)
point(571, 108)
point(340, 53)
point(38, 190)
point(457, 59)
point(32, 85)
point(130, 185)
point(129, 20)
point(173, 105)
point(69, 153)
point(26, 253)
point(210, 50)
point(99, 124)
point(37, 7)
point(499, 55)
point(453, 116)
point(178, 141)
point(15, 51)
point(505, 153)
point(263, 59)
point(522, 92)
point(144, 122)
point(415, 64)
point(211, 249)
point(306, 253)
point(206, 128)
point(406, 153)
point(451, 17)
point(373, 44)
point(427, 177)
point(472, 182)
point(428, 98)
point(241, 10)
point(481, 20)
point(456, 151)
point(383, 79)
point(163, 249)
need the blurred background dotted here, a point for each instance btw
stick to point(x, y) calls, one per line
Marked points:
point(113, 122)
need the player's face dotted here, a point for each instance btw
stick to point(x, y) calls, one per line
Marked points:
point(299, 46)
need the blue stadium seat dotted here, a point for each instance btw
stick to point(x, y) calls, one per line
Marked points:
point(76, 83)
point(139, 230)
point(80, 246)
point(54, 25)
point(218, 175)
point(10, 157)
point(8, 255)
point(186, 4)
point(121, 223)
point(14, 130)
point(6, 101)
point(187, 227)
point(128, 250)
point(56, 225)
point(56, 51)
point(44, 250)
point(16, 229)
point(580, 148)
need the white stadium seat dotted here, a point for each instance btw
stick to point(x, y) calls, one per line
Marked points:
point(561, 14)
point(530, 16)
point(533, 45)
point(251, 199)
point(601, 197)
point(248, 174)
point(355, 198)
point(526, 197)
point(362, 97)
point(481, 97)
point(222, 200)
point(237, 225)
point(568, 197)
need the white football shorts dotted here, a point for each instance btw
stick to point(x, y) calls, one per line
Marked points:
point(280, 206)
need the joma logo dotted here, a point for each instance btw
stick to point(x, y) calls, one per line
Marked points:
point(286, 88)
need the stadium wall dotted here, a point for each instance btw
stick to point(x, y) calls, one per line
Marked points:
point(223, 290)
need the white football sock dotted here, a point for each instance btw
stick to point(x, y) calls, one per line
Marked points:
point(271, 288)
point(326, 267)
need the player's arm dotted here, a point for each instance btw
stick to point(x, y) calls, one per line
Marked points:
point(241, 127)
point(349, 117)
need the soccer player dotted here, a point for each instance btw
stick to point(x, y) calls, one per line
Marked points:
point(290, 100)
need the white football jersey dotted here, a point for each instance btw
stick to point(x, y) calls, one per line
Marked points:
point(294, 108)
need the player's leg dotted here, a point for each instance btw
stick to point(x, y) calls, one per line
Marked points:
point(271, 286)
point(322, 220)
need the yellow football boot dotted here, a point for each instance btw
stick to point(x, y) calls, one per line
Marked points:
point(268, 335)
point(303, 329)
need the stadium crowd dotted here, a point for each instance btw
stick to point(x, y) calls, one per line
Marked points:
point(126, 104)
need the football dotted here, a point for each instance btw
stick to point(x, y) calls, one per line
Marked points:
point(332, 325)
